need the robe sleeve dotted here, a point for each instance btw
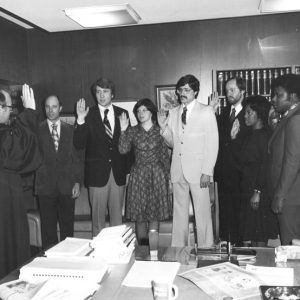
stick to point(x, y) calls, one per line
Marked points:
point(19, 148)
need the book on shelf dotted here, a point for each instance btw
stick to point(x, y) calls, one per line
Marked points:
point(75, 268)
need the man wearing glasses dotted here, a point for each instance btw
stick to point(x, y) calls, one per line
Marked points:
point(191, 130)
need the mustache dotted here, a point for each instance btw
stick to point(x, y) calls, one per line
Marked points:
point(183, 97)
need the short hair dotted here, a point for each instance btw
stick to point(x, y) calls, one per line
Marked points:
point(290, 82)
point(104, 83)
point(59, 101)
point(149, 105)
point(191, 80)
point(261, 106)
point(240, 82)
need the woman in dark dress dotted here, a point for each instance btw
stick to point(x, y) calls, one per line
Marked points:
point(147, 197)
point(19, 153)
point(257, 223)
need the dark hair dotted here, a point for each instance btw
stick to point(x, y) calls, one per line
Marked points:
point(260, 105)
point(240, 82)
point(191, 80)
point(2, 98)
point(290, 82)
point(149, 105)
point(104, 83)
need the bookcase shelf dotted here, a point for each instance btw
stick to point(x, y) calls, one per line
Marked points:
point(258, 80)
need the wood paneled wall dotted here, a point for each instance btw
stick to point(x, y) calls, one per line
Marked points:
point(138, 58)
point(13, 52)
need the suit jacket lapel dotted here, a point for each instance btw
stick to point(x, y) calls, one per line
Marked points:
point(117, 122)
point(98, 123)
point(46, 135)
point(282, 124)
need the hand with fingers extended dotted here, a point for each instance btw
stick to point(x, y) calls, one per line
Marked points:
point(214, 100)
point(81, 110)
point(124, 121)
point(162, 118)
point(28, 97)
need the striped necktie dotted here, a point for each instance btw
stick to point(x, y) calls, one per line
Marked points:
point(55, 136)
point(232, 115)
point(107, 126)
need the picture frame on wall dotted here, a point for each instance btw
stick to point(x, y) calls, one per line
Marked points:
point(166, 97)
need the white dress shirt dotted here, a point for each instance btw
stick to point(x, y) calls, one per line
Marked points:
point(110, 115)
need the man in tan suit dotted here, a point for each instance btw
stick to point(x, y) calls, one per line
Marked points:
point(191, 130)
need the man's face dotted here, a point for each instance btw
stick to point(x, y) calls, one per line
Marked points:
point(52, 108)
point(5, 109)
point(281, 100)
point(103, 96)
point(233, 93)
point(186, 94)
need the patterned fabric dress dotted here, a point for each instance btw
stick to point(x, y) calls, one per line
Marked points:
point(147, 195)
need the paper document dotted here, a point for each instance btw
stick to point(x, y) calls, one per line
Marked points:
point(225, 280)
point(70, 247)
point(143, 272)
point(273, 275)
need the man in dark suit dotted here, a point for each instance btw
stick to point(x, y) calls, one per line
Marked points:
point(284, 149)
point(58, 180)
point(232, 130)
point(97, 131)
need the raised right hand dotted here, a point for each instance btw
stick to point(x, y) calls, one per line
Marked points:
point(81, 110)
point(162, 118)
point(214, 101)
point(124, 121)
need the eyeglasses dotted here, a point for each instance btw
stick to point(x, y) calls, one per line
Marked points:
point(184, 90)
point(142, 111)
point(4, 106)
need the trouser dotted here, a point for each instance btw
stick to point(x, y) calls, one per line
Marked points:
point(56, 209)
point(110, 196)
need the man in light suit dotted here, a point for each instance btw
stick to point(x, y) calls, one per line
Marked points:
point(191, 130)
point(98, 131)
point(58, 179)
point(284, 149)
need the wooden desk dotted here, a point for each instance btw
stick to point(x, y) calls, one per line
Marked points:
point(112, 288)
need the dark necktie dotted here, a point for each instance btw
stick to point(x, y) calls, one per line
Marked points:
point(183, 116)
point(55, 136)
point(232, 115)
point(107, 125)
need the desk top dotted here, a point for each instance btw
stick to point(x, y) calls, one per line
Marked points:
point(112, 288)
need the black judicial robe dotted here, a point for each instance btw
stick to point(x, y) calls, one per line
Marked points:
point(19, 153)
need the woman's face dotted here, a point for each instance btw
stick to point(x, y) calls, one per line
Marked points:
point(143, 114)
point(250, 116)
point(5, 108)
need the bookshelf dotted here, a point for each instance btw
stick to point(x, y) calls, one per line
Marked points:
point(258, 80)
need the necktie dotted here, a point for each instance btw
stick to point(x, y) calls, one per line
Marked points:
point(183, 116)
point(55, 136)
point(107, 125)
point(232, 115)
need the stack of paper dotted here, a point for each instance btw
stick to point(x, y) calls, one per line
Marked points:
point(70, 247)
point(75, 268)
point(142, 273)
point(114, 244)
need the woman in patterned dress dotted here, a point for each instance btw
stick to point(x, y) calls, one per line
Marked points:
point(148, 201)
